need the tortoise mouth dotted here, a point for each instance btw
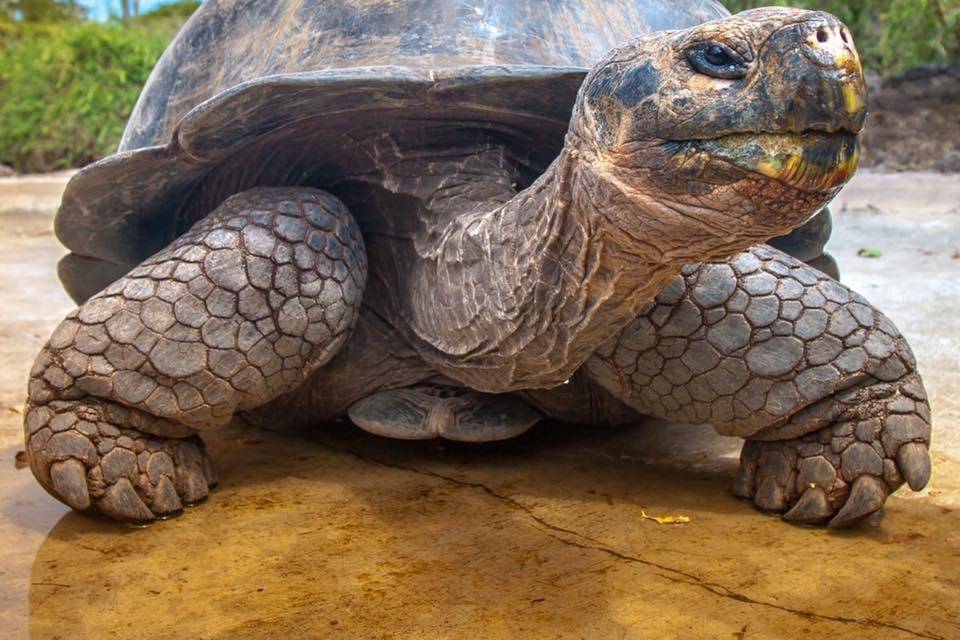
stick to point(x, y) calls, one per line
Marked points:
point(808, 160)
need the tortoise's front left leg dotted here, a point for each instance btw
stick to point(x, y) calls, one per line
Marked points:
point(822, 385)
point(239, 310)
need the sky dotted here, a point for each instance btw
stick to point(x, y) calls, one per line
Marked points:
point(100, 9)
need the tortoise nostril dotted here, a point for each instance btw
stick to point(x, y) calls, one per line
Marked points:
point(845, 36)
point(822, 35)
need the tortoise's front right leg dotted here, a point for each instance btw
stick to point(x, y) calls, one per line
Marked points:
point(239, 310)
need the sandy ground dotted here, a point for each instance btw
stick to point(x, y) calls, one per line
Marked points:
point(344, 535)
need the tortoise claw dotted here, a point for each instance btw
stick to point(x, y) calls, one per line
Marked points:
point(866, 496)
point(69, 480)
point(812, 508)
point(121, 502)
point(913, 461)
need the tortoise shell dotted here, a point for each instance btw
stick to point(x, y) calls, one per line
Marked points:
point(288, 92)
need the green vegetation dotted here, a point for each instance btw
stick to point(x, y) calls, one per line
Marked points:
point(67, 86)
point(892, 35)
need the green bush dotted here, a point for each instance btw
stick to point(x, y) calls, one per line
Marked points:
point(67, 89)
point(892, 35)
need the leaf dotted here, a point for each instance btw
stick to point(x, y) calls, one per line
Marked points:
point(665, 519)
point(869, 252)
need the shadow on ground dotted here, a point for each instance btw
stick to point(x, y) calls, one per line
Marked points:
point(346, 534)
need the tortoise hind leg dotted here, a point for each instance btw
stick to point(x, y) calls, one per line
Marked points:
point(426, 412)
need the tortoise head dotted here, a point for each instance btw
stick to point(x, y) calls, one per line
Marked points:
point(749, 122)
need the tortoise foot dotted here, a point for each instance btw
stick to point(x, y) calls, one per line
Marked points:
point(840, 474)
point(84, 457)
point(452, 413)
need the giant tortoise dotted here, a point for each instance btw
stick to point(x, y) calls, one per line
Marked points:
point(451, 219)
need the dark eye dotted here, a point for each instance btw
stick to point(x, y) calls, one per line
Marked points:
point(717, 60)
point(715, 55)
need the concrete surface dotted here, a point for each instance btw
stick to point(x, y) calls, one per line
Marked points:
point(344, 535)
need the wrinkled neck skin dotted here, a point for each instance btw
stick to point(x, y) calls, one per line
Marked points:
point(518, 294)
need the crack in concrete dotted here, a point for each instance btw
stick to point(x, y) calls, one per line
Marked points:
point(673, 574)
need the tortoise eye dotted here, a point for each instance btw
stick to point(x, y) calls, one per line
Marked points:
point(715, 55)
point(717, 60)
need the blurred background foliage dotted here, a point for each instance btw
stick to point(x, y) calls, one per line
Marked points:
point(892, 35)
point(68, 82)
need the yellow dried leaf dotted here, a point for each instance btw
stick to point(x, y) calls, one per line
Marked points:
point(666, 519)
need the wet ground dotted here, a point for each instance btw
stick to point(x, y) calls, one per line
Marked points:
point(344, 535)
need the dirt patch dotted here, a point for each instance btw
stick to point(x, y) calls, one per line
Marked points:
point(915, 121)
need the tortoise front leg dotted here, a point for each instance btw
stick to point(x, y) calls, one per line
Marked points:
point(239, 310)
point(821, 384)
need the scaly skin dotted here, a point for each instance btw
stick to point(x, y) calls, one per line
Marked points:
point(821, 384)
point(239, 310)
point(670, 159)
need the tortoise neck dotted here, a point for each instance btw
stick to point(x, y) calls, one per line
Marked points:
point(521, 293)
